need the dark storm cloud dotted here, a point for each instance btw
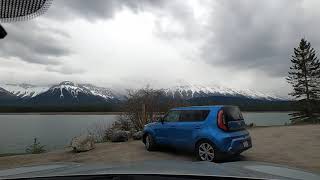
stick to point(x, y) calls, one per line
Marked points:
point(259, 34)
point(29, 42)
point(93, 10)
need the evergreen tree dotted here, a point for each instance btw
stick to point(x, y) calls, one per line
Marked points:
point(304, 76)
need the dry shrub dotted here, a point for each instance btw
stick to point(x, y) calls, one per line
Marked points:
point(99, 129)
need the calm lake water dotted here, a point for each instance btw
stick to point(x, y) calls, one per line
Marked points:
point(56, 131)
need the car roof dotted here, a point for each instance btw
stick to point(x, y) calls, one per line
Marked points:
point(213, 107)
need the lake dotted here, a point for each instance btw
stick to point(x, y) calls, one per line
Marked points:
point(56, 131)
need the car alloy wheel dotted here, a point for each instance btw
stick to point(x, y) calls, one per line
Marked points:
point(148, 142)
point(206, 152)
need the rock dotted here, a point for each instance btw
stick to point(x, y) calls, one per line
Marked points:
point(82, 143)
point(251, 125)
point(137, 135)
point(120, 136)
point(129, 133)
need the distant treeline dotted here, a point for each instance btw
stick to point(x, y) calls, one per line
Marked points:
point(245, 105)
point(82, 108)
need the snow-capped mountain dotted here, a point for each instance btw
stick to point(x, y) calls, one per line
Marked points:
point(30, 91)
point(193, 91)
point(68, 92)
point(67, 88)
point(185, 91)
point(24, 90)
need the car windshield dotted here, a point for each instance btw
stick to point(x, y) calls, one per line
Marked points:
point(160, 84)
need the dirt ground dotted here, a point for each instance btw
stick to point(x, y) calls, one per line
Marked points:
point(296, 146)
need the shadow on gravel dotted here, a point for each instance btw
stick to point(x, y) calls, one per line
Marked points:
point(192, 157)
point(178, 153)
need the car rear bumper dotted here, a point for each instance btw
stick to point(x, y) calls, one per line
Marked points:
point(240, 144)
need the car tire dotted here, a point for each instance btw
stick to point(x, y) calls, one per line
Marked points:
point(207, 151)
point(149, 143)
point(236, 156)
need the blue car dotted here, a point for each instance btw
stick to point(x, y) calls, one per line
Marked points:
point(212, 132)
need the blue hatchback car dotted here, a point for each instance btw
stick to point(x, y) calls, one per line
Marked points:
point(210, 131)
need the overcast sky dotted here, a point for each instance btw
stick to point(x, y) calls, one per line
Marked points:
point(131, 43)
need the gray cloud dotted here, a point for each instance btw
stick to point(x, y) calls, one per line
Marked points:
point(179, 12)
point(243, 35)
point(104, 9)
point(29, 42)
point(96, 9)
point(65, 70)
point(259, 34)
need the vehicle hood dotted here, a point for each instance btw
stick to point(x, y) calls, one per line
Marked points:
point(235, 169)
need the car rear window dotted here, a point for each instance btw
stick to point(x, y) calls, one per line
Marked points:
point(232, 113)
point(193, 115)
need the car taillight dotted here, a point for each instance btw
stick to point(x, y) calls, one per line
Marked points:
point(222, 124)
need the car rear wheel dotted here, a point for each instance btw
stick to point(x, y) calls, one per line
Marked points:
point(206, 151)
point(149, 143)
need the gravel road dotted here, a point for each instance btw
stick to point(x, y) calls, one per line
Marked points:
point(296, 146)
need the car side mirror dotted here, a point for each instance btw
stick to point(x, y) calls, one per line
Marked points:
point(161, 120)
point(12, 11)
point(3, 32)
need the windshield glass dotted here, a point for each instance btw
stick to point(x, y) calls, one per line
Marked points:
point(123, 82)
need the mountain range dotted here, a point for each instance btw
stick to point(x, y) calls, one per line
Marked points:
point(69, 94)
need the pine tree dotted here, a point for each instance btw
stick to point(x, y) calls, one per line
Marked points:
point(304, 76)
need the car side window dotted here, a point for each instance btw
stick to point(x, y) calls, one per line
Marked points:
point(172, 116)
point(193, 115)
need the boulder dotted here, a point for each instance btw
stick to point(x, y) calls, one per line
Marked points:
point(251, 125)
point(129, 133)
point(119, 136)
point(82, 143)
point(137, 135)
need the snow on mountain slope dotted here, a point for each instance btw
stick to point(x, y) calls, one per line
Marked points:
point(190, 91)
point(24, 90)
point(195, 91)
point(3, 91)
point(6, 96)
point(185, 91)
point(87, 89)
point(70, 87)
point(99, 91)
point(259, 95)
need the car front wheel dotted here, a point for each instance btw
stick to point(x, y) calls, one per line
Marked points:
point(149, 143)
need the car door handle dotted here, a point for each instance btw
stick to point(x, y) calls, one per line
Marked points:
point(197, 127)
point(172, 126)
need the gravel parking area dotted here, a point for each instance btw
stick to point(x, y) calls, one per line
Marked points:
point(296, 146)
